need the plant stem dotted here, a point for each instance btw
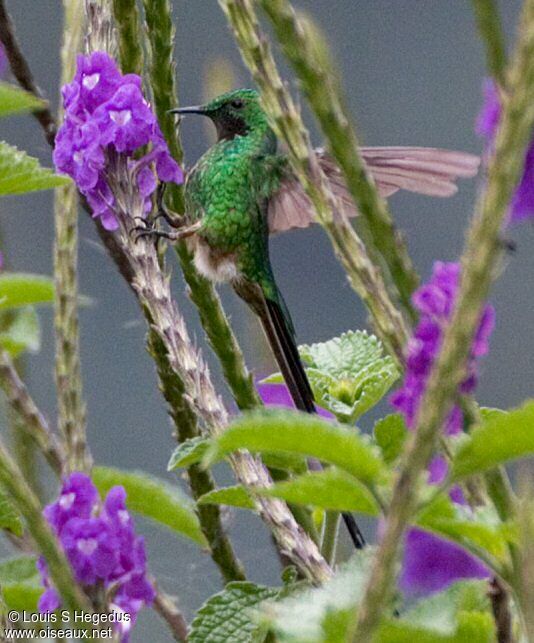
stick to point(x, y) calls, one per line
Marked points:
point(172, 387)
point(27, 503)
point(160, 32)
point(71, 406)
point(165, 607)
point(308, 55)
point(22, 72)
point(500, 605)
point(491, 34)
point(152, 287)
point(364, 276)
point(482, 252)
point(126, 16)
point(329, 537)
point(525, 575)
point(200, 480)
point(32, 420)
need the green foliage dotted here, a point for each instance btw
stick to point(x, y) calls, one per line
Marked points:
point(349, 374)
point(330, 489)
point(21, 332)
point(236, 496)
point(478, 529)
point(13, 100)
point(459, 614)
point(20, 583)
point(20, 289)
point(227, 616)
point(390, 434)
point(499, 439)
point(188, 452)
point(323, 614)
point(9, 516)
point(20, 173)
point(273, 430)
point(154, 499)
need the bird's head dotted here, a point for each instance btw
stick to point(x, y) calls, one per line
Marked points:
point(235, 113)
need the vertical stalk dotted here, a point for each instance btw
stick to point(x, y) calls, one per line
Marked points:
point(160, 32)
point(126, 16)
point(492, 36)
point(482, 253)
point(71, 407)
point(329, 536)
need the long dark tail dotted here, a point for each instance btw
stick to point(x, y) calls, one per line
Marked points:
point(281, 338)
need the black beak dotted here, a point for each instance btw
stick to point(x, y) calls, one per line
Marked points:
point(195, 109)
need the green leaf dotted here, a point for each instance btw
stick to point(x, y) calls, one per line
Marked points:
point(330, 489)
point(323, 614)
point(22, 333)
point(154, 499)
point(349, 374)
point(21, 173)
point(291, 462)
point(20, 583)
point(236, 496)
point(188, 452)
point(498, 440)
point(226, 616)
point(273, 430)
point(13, 100)
point(459, 614)
point(20, 289)
point(9, 516)
point(474, 529)
point(390, 434)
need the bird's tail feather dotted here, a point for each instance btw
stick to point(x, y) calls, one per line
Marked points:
point(285, 350)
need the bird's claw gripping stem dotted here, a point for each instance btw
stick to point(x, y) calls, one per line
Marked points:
point(183, 233)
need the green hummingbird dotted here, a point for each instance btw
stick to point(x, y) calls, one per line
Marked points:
point(243, 189)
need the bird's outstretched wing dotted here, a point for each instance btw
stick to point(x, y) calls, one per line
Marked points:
point(425, 170)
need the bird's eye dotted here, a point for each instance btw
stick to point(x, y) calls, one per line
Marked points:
point(237, 103)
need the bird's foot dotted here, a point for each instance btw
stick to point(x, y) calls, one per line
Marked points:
point(141, 232)
point(174, 219)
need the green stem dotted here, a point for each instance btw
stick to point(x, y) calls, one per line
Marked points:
point(27, 503)
point(365, 277)
point(172, 387)
point(482, 253)
point(308, 54)
point(329, 536)
point(126, 16)
point(200, 480)
point(32, 421)
point(492, 36)
point(160, 33)
point(71, 407)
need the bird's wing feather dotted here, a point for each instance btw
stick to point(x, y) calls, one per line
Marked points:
point(424, 170)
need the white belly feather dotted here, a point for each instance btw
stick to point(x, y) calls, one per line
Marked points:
point(213, 267)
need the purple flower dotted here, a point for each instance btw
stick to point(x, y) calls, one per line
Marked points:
point(522, 204)
point(101, 546)
point(435, 302)
point(278, 395)
point(91, 547)
point(78, 499)
point(107, 120)
point(431, 564)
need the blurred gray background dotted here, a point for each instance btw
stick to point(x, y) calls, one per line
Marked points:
point(412, 71)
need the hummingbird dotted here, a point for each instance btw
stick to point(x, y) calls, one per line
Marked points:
point(243, 189)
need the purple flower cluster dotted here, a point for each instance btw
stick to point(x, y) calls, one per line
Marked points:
point(430, 563)
point(106, 116)
point(522, 205)
point(101, 546)
point(435, 303)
